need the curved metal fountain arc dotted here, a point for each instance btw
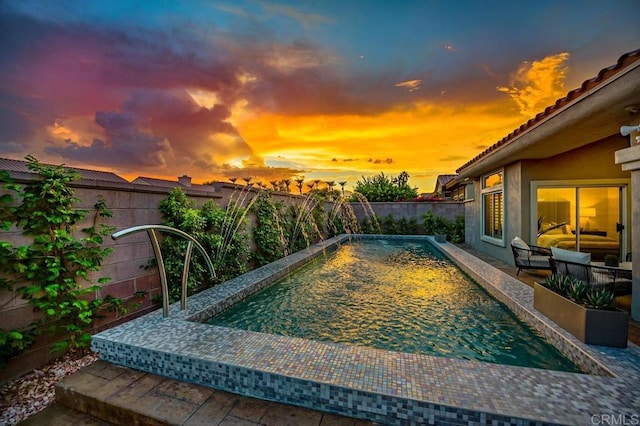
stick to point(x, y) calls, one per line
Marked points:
point(151, 232)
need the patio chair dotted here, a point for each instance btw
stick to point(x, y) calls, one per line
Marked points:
point(617, 280)
point(530, 257)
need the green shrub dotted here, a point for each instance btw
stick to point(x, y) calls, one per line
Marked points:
point(221, 232)
point(389, 225)
point(455, 231)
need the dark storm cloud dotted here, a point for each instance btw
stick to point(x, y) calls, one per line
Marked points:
point(125, 145)
point(261, 172)
point(155, 127)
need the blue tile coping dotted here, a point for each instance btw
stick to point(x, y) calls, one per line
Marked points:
point(383, 386)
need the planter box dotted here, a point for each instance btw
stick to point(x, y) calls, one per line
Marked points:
point(440, 238)
point(592, 326)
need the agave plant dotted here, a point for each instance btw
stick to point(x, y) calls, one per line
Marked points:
point(559, 283)
point(576, 290)
point(600, 298)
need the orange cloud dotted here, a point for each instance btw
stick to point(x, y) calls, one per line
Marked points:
point(536, 85)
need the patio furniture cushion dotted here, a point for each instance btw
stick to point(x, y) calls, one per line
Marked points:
point(530, 257)
point(575, 260)
point(519, 243)
point(536, 261)
point(571, 256)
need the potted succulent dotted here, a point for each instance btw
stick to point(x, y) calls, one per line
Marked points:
point(590, 314)
point(611, 260)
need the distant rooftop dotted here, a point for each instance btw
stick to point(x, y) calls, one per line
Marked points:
point(443, 179)
point(20, 166)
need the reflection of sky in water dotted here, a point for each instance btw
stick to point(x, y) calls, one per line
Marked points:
point(397, 296)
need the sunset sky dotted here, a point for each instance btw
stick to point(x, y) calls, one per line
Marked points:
point(329, 90)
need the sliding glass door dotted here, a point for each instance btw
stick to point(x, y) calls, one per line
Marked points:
point(586, 218)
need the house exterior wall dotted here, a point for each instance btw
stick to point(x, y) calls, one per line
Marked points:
point(593, 161)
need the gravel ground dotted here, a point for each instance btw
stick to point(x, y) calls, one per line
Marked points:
point(35, 391)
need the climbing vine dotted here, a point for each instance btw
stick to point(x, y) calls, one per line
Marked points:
point(53, 272)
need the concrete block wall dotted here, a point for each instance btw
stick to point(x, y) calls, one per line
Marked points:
point(131, 205)
point(409, 210)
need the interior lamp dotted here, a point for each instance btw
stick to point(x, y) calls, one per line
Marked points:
point(588, 212)
point(585, 214)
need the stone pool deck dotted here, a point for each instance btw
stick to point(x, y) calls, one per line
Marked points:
point(376, 385)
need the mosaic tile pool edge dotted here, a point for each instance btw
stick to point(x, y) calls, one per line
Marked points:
point(385, 409)
point(359, 400)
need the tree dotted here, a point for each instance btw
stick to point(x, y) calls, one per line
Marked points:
point(287, 182)
point(383, 188)
point(342, 184)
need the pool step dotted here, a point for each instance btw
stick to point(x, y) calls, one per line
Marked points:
point(125, 396)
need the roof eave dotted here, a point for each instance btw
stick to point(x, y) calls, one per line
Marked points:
point(576, 115)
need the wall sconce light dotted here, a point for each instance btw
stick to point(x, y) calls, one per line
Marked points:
point(627, 130)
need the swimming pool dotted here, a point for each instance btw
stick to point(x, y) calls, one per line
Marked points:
point(403, 296)
point(384, 386)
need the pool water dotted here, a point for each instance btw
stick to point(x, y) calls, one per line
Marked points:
point(394, 295)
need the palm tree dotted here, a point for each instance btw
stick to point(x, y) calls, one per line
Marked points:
point(247, 180)
point(273, 183)
point(287, 182)
point(233, 179)
point(342, 184)
point(330, 184)
point(300, 182)
point(311, 186)
point(317, 182)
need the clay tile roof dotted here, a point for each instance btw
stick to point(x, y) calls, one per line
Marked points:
point(21, 167)
point(605, 74)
